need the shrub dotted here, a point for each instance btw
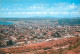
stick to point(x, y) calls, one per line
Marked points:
point(47, 48)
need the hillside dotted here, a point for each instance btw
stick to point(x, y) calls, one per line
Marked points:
point(61, 46)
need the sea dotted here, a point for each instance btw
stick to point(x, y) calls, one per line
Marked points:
point(6, 23)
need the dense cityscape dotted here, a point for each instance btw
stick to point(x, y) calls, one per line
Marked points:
point(31, 31)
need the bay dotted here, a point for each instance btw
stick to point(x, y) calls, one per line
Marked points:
point(6, 23)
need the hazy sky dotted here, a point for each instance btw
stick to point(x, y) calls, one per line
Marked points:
point(39, 8)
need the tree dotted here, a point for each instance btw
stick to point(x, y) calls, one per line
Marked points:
point(10, 42)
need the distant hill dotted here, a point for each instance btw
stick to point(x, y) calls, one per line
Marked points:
point(61, 21)
point(73, 21)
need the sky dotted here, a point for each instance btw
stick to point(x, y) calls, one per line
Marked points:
point(39, 8)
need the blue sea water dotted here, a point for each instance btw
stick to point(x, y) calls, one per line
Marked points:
point(5, 23)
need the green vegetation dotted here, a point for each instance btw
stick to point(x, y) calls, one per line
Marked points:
point(68, 21)
point(47, 48)
point(40, 37)
point(70, 47)
point(72, 21)
point(76, 45)
point(10, 42)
